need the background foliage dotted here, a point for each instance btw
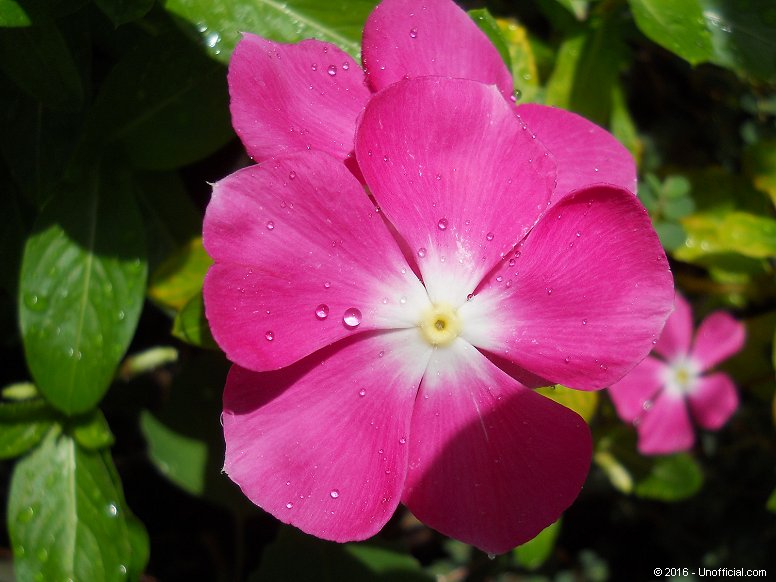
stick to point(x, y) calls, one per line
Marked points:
point(113, 118)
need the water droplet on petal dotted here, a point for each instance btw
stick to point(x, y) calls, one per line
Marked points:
point(334, 493)
point(270, 225)
point(352, 318)
point(327, 284)
point(332, 70)
point(362, 392)
point(314, 67)
point(584, 322)
point(422, 252)
point(442, 224)
point(413, 33)
point(289, 505)
point(269, 336)
point(491, 556)
point(489, 236)
point(402, 441)
point(291, 175)
point(345, 66)
point(549, 291)
point(322, 311)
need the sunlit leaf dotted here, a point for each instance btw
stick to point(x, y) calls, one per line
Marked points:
point(533, 554)
point(66, 515)
point(180, 277)
point(191, 326)
point(91, 431)
point(676, 25)
point(524, 69)
point(583, 402)
point(487, 24)
point(760, 165)
point(672, 478)
point(219, 23)
point(15, 13)
point(739, 232)
point(81, 289)
point(578, 8)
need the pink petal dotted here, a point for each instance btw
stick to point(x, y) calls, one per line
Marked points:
point(675, 340)
point(284, 97)
point(319, 444)
point(634, 393)
point(298, 246)
point(713, 400)
point(491, 462)
point(665, 428)
point(456, 173)
point(719, 337)
point(586, 153)
point(582, 299)
point(406, 38)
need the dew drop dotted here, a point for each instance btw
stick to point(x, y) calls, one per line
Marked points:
point(647, 404)
point(362, 392)
point(334, 493)
point(442, 224)
point(403, 300)
point(270, 225)
point(112, 510)
point(289, 505)
point(345, 66)
point(291, 175)
point(579, 234)
point(332, 70)
point(511, 262)
point(489, 236)
point(604, 367)
point(491, 556)
point(413, 33)
point(549, 291)
point(327, 284)
point(469, 296)
point(567, 359)
point(402, 441)
point(422, 252)
point(499, 279)
point(269, 336)
point(584, 322)
point(351, 318)
point(322, 311)
point(385, 158)
point(314, 67)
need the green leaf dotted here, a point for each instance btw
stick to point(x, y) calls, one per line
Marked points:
point(39, 61)
point(760, 166)
point(771, 503)
point(191, 326)
point(617, 473)
point(91, 431)
point(739, 232)
point(524, 69)
point(578, 8)
point(595, 53)
point(331, 561)
point(671, 235)
point(531, 555)
point(674, 209)
point(676, 187)
point(165, 103)
point(140, 545)
point(676, 25)
point(180, 277)
point(81, 289)
point(22, 426)
point(14, 13)
point(487, 24)
point(147, 361)
point(179, 458)
point(219, 23)
point(583, 402)
point(742, 36)
point(66, 515)
point(672, 478)
point(623, 126)
point(123, 11)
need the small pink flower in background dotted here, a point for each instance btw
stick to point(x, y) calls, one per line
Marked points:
point(384, 356)
point(661, 393)
point(307, 96)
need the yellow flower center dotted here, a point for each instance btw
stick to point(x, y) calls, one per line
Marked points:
point(440, 324)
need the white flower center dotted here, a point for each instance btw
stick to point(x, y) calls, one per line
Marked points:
point(681, 376)
point(440, 324)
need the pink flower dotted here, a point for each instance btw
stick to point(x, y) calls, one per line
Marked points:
point(382, 355)
point(297, 97)
point(657, 394)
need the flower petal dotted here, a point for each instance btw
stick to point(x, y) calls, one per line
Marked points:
point(675, 340)
point(284, 97)
point(298, 246)
point(634, 393)
point(586, 153)
point(491, 462)
point(405, 38)
point(582, 299)
point(456, 173)
point(719, 336)
point(665, 428)
point(319, 444)
point(713, 400)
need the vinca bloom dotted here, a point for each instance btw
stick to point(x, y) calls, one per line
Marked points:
point(662, 392)
point(385, 342)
